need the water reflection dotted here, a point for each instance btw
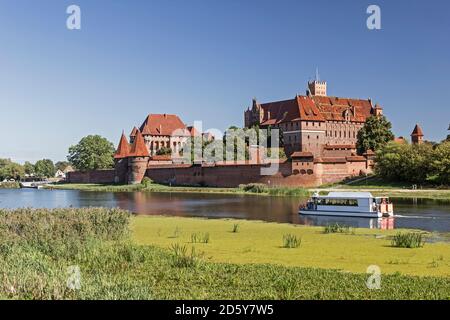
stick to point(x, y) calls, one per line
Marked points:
point(426, 214)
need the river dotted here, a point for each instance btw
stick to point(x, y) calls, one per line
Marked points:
point(425, 214)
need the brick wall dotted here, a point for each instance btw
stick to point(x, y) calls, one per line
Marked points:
point(95, 176)
point(296, 174)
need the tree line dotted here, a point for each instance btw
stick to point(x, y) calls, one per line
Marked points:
point(44, 168)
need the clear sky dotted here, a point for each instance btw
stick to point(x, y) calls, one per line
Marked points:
point(205, 60)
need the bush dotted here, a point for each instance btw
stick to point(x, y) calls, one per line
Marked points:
point(254, 188)
point(336, 228)
point(408, 240)
point(147, 182)
point(291, 241)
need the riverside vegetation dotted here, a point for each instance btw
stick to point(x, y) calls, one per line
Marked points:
point(38, 246)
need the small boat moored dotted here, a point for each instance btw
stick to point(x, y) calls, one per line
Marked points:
point(348, 204)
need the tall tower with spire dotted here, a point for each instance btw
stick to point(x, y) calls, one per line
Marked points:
point(317, 87)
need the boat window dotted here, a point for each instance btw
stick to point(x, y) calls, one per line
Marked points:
point(338, 202)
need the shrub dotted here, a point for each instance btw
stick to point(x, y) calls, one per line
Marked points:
point(291, 241)
point(254, 188)
point(336, 228)
point(147, 182)
point(408, 240)
point(182, 258)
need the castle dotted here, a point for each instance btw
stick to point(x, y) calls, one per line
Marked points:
point(319, 135)
point(314, 123)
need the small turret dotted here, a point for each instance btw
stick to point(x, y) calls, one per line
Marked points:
point(417, 135)
point(121, 161)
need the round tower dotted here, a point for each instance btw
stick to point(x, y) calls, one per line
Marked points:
point(138, 160)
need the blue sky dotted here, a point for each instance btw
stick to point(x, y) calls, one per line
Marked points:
point(206, 60)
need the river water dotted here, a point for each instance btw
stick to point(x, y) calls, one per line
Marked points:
point(430, 215)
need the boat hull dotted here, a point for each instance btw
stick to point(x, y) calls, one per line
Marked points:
point(341, 213)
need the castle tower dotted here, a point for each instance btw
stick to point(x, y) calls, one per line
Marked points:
point(378, 110)
point(417, 135)
point(121, 161)
point(317, 88)
point(137, 160)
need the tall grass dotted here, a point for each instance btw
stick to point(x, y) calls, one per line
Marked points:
point(291, 192)
point(291, 241)
point(183, 258)
point(408, 240)
point(336, 228)
point(235, 228)
point(200, 237)
point(38, 246)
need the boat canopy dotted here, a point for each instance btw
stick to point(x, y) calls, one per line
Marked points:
point(348, 195)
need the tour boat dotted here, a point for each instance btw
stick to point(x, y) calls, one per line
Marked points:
point(348, 204)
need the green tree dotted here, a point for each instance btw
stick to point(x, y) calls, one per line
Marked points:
point(62, 165)
point(375, 134)
point(29, 168)
point(10, 170)
point(45, 168)
point(405, 162)
point(164, 151)
point(440, 165)
point(91, 153)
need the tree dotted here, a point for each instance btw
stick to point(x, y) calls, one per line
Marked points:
point(375, 134)
point(45, 168)
point(164, 151)
point(441, 164)
point(29, 168)
point(92, 153)
point(62, 165)
point(10, 170)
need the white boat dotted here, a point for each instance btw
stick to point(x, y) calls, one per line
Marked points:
point(33, 183)
point(348, 204)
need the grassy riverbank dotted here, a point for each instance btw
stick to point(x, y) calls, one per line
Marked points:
point(38, 246)
point(261, 243)
point(9, 185)
point(154, 187)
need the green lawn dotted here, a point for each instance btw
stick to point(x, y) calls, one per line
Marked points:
point(40, 249)
point(154, 187)
point(261, 243)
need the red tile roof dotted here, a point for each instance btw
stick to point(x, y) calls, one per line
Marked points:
point(134, 132)
point(334, 160)
point(303, 154)
point(161, 125)
point(138, 148)
point(316, 108)
point(417, 131)
point(123, 149)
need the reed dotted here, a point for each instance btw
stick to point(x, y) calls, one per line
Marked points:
point(336, 228)
point(291, 241)
point(408, 240)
